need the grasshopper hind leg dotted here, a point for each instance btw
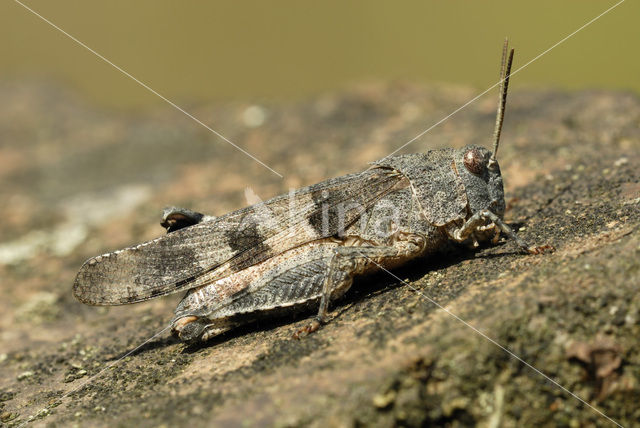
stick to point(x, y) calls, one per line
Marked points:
point(174, 218)
point(339, 277)
point(347, 262)
point(188, 329)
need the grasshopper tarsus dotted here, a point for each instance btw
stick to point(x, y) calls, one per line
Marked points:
point(541, 249)
point(313, 326)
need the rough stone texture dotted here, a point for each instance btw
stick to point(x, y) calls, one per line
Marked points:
point(78, 181)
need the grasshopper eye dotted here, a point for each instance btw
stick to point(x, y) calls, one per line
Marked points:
point(474, 161)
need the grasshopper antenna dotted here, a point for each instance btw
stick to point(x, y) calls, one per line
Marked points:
point(505, 72)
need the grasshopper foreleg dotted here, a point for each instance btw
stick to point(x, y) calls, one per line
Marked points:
point(478, 221)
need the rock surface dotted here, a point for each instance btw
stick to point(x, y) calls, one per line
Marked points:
point(78, 181)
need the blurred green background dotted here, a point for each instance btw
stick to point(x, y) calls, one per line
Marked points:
point(199, 51)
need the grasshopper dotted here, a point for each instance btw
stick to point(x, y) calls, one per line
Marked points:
point(304, 249)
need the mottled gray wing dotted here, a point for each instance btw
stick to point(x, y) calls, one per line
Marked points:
point(230, 243)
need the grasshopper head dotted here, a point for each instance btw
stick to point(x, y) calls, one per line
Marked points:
point(480, 175)
point(478, 167)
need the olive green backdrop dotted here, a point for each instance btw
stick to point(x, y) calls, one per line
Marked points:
point(197, 50)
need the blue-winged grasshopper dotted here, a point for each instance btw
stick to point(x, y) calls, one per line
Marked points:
point(305, 248)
